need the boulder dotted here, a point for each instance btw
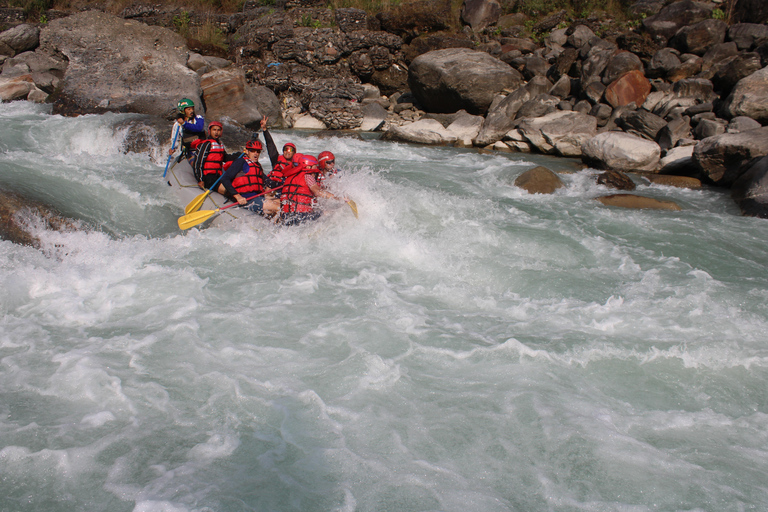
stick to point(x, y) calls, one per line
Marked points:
point(374, 116)
point(618, 150)
point(16, 88)
point(21, 38)
point(674, 181)
point(699, 37)
point(749, 97)
point(724, 158)
point(750, 191)
point(677, 129)
point(560, 133)
point(616, 179)
point(538, 106)
point(226, 94)
point(539, 180)
point(620, 64)
point(678, 161)
point(46, 70)
point(502, 114)
point(465, 128)
point(750, 11)
point(119, 65)
point(674, 16)
point(709, 128)
point(632, 87)
point(748, 36)
point(458, 78)
point(479, 14)
point(307, 122)
point(742, 124)
point(424, 131)
point(579, 36)
point(351, 20)
point(642, 123)
point(729, 73)
point(335, 102)
point(633, 201)
point(663, 63)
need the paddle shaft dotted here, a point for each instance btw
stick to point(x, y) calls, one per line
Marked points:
point(193, 219)
point(177, 129)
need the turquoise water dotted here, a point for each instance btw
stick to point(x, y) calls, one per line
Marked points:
point(462, 346)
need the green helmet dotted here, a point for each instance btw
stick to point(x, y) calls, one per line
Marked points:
point(184, 103)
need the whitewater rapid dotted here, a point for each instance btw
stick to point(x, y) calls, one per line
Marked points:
point(462, 346)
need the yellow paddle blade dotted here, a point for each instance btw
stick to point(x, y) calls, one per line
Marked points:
point(353, 206)
point(196, 202)
point(193, 219)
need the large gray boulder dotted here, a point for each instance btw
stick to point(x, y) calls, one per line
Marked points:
point(622, 151)
point(674, 16)
point(479, 14)
point(119, 65)
point(750, 191)
point(559, 133)
point(749, 97)
point(20, 38)
point(459, 78)
point(724, 158)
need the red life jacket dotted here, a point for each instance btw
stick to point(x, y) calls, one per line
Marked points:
point(280, 170)
point(214, 159)
point(297, 196)
point(250, 179)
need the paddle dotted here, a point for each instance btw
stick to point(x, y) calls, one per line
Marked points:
point(198, 201)
point(193, 219)
point(353, 206)
point(176, 130)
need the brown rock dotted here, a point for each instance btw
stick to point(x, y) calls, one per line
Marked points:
point(633, 201)
point(539, 180)
point(630, 87)
point(674, 181)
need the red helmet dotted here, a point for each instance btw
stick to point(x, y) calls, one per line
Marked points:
point(325, 155)
point(307, 160)
point(254, 144)
point(215, 123)
point(290, 145)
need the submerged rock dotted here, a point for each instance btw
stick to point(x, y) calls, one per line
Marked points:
point(633, 201)
point(539, 180)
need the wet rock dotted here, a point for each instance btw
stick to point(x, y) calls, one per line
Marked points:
point(674, 181)
point(678, 161)
point(639, 202)
point(616, 179)
point(17, 215)
point(424, 131)
point(539, 180)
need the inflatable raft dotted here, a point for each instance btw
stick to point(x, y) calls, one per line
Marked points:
point(181, 178)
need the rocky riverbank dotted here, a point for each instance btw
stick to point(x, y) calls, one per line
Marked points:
point(677, 92)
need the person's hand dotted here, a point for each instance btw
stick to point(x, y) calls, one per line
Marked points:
point(240, 200)
point(263, 123)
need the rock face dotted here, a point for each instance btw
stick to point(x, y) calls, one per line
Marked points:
point(458, 78)
point(750, 97)
point(119, 65)
point(539, 180)
point(622, 151)
point(425, 131)
point(723, 158)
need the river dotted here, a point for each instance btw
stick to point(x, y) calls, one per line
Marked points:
point(462, 346)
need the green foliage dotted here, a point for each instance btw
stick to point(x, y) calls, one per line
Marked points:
point(32, 8)
point(209, 33)
point(43, 19)
point(307, 21)
point(181, 22)
point(718, 14)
